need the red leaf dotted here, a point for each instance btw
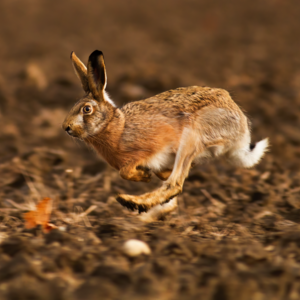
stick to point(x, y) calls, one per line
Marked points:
point(40, 216)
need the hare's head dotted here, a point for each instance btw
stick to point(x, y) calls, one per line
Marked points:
point(91, 113)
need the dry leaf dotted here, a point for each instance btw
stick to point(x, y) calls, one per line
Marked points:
point(40, 216)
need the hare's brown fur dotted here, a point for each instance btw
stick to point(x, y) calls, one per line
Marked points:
point(143, 128)
point(164, 134)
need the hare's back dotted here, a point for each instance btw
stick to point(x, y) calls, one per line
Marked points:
point(180, 101)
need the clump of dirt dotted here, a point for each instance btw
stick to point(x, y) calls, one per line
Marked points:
point(236, 233)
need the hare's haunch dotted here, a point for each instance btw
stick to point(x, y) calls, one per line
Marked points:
point(164, 134)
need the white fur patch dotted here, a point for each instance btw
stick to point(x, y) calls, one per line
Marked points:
point(78, 120)
point(204, 156)
point(107, 98)
point(247, 158)
point(161, 160)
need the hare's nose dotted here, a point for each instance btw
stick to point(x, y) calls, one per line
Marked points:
point(69, 130)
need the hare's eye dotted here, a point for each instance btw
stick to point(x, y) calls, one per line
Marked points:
point(87, 109)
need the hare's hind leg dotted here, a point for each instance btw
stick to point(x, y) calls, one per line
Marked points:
point(190, 147)
point(158, 212)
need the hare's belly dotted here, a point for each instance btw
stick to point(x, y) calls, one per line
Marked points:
point(161, 161)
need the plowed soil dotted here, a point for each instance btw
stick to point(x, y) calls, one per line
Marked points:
point(236, 233)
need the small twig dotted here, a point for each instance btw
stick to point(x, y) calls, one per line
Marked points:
point(70, 187)
point(20, 206)
point(293, 191)
point(107, 182)
point(58, 181)
point(83, 215)
point(29, 182)
point(89, 210)
point(207, 194)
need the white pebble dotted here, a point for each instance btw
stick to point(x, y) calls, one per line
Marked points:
point(62, 228)
point(134, 248)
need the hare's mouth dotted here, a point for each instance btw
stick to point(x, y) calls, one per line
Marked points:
point(70, 133)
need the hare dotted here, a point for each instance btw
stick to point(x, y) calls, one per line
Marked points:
point(165, 134)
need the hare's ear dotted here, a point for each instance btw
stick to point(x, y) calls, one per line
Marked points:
point(80, 71)
point(96, 75)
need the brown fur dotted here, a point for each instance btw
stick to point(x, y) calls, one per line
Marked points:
point(141, 129)
point(179, 127)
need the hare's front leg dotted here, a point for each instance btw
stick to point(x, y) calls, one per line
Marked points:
point(186, 153)
point(135, 173)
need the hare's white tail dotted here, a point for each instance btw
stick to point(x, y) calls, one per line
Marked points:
point(250, 155)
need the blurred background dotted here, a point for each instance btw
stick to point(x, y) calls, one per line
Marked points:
point(250, 48)
point(235, 234)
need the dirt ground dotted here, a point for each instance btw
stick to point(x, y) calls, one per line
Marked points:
point(236, 234)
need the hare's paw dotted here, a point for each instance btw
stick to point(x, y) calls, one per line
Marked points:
point(132, 202)
point(144, 202)
point(143, 174)
point(136, 173)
